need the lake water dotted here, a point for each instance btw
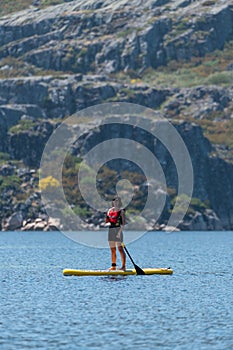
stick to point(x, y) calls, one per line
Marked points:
point(42, 309)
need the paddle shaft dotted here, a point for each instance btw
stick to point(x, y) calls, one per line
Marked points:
point(137, 268)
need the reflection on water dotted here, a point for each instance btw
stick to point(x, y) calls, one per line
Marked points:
point(117, 278)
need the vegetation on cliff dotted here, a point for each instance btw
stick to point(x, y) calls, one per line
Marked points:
point(169, 55)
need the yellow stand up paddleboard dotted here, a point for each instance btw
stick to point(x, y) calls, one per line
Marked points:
point(147, 271)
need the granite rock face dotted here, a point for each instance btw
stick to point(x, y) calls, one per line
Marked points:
point(84, 42)
point(45, 97)
point(109, 36)
point(213, 177)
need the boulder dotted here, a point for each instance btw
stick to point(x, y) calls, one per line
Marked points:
point(14, 222)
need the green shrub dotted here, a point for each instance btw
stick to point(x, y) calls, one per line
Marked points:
point(221, 78)
point(209, 3)
point(4, 157)
point(82, 211)
point(195, 204)
point(45, 3)
point(11, 182)
point(23, 125)
point(198, 205)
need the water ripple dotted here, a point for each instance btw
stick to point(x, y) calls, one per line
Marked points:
point(42, 309)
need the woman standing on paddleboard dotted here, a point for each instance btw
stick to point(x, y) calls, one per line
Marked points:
point(116, 218)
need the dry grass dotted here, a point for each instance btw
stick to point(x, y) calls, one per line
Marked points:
point(10, 6)
point(209, 70)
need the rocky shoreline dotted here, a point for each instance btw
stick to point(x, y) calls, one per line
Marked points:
point(30, 214)
point(199, 222)
point(206, 221)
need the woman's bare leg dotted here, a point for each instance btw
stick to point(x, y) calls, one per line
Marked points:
point(123, 257)
point(112, 246)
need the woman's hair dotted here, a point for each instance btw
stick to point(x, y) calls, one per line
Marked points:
point(119, 201)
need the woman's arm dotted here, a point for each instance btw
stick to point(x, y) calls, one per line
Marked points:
point(123, 218)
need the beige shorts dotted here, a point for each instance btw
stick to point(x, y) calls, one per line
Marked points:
point(112, 234)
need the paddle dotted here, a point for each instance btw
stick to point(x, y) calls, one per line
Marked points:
point(137, 268)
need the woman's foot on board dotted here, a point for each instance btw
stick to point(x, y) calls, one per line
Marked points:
point(113, 267)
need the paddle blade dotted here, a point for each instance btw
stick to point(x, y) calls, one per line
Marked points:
point(139, 270)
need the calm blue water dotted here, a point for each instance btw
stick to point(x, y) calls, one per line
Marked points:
point(42, 309)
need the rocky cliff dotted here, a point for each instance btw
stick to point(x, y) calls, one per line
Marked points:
point(108, 36)
point(82, 44)
point(213, 177)
point(61, 59)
